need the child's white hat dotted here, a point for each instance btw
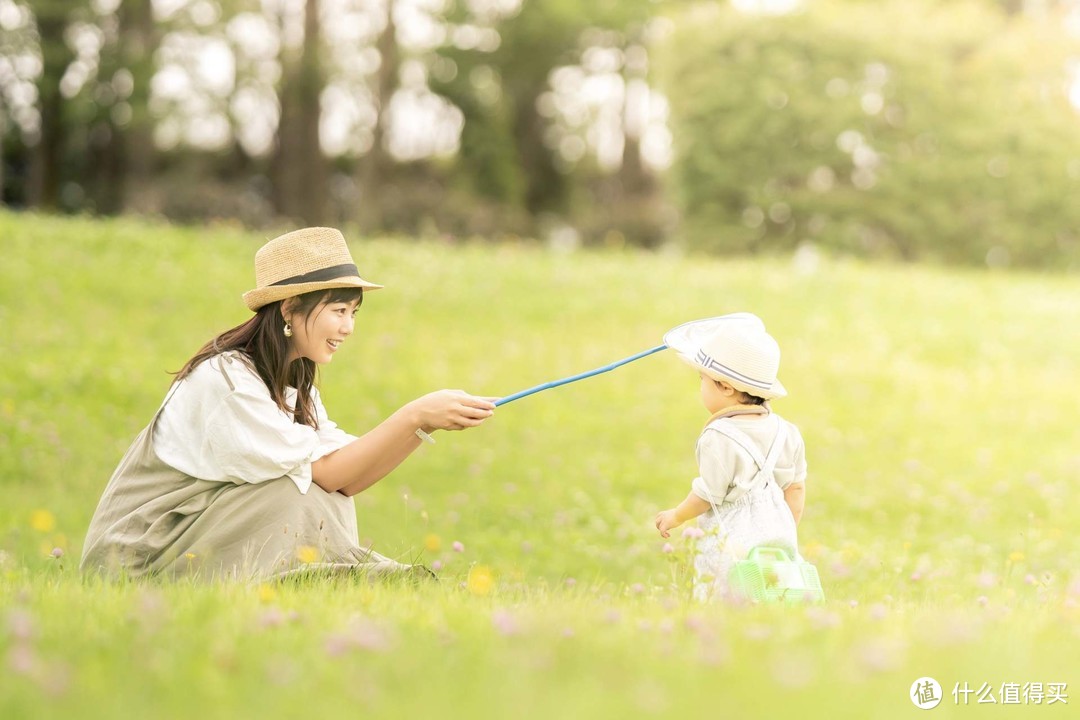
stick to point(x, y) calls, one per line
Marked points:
point(733, 348)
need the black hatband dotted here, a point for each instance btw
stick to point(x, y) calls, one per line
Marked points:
point(330, 273)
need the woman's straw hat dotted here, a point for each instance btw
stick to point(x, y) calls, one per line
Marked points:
point(299, 262)
point(733, 348)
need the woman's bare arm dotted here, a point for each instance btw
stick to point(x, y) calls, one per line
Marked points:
point(371, 457)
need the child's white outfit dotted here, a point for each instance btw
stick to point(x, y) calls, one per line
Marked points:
point(745, 465)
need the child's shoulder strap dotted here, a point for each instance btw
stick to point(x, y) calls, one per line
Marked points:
point(737, 436)
point(777, 445)
point(743, 440)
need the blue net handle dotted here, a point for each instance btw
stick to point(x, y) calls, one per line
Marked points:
point(580, 376)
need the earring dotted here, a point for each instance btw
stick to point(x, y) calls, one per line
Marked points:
point(288, 329)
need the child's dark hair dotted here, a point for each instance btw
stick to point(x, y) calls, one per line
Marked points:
point(746, 398)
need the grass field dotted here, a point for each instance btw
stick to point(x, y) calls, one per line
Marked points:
point(938, 407)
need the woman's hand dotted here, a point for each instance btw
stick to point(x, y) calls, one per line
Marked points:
point(451, 410)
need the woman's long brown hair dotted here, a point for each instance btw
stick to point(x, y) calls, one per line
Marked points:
point(262, 342)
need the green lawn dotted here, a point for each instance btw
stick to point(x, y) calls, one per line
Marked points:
point(938, 409)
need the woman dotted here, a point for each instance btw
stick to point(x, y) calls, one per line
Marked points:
point(240, 473)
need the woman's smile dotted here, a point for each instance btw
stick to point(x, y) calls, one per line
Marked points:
point(333, 322)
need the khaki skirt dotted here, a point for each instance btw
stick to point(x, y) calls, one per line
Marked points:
point(154, 519)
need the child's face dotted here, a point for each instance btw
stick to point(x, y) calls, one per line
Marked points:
point(713, 396)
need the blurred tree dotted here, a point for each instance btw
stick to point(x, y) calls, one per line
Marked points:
point(623, 190)
point(7, 129)
point(858, 129)
point(506, 148)
point(52, 19)
point(92, 126)
point(375, 166)
point(16, 109)
point(123, 155)
point(299, 169)
point(634, 179)
point(542, 36)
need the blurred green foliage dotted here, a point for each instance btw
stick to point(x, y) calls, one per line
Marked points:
point(903, 129)
point(939, 131)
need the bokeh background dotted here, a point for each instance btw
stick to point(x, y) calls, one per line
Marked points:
point(905, 129)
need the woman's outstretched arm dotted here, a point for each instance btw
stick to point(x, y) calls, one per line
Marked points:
point(369, 458)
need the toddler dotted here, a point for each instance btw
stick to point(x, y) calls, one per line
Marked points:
point(751, 461)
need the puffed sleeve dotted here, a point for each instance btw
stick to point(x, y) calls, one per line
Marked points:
point(800, 463)
point(791, 469)
point(253, 441)
point(714, 465)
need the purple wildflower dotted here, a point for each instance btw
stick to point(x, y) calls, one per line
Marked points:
point(21, 624)
point(504, 623)
point(21, 659)
point(273, 617)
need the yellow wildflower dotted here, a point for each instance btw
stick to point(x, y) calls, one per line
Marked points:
point(266, 593)
point(813, 550)
point(307, 554)
point(432, 542)
point(480, 581)
point(1016, 556)
point(42, 521)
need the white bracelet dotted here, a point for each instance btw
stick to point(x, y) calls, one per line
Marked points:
point(424, 436)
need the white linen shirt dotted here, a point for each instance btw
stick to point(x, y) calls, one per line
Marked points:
point(727, 471)
point(236, 433)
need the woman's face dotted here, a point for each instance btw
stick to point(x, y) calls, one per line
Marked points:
point(319, 335)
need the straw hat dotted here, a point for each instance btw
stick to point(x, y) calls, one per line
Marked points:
point(733, 348)
point(299, 262)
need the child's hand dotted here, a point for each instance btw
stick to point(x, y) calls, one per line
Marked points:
point(667, 520)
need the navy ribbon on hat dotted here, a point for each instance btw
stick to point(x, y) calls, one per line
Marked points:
point(707, 361)
point(330, 273)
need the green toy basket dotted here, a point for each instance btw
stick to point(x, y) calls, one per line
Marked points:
point(771, 574)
